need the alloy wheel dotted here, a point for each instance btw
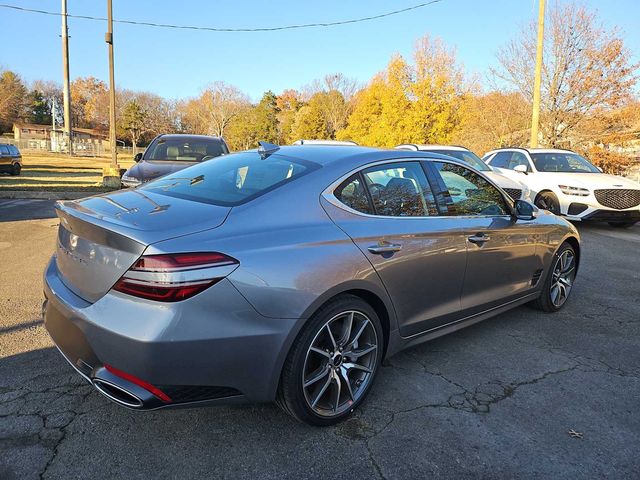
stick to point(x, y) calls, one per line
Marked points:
point(340, 363)
point(564, 272)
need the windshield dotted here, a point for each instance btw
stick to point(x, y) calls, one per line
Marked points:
point(564, 162)
point(184, 149)
point(232, 179)
point(467, 157)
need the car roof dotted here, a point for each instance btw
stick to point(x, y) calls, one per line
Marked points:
point(329, 154)
point(530, 150)
point(184, 136)
point(430, 147)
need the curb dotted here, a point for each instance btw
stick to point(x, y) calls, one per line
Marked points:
point(26, 194)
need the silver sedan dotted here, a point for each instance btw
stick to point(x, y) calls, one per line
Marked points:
point(288, 274)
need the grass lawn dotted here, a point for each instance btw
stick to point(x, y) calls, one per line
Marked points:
point(54, 172)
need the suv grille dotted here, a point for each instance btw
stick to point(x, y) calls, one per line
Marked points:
point(618, 198)
point(514, 193)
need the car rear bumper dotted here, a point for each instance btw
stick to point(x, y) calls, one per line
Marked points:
point(211, 348)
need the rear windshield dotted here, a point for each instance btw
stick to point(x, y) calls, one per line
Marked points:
point(184, 149)
point(467, 157)
point(231, 180)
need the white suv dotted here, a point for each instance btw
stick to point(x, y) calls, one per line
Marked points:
point(567, 184)
point(515, 189)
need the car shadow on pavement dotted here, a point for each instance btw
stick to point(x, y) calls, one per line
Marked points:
point(26, 209)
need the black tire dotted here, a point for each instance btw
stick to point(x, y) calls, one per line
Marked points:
point(622, 224)
point(545, 301)
point(15, 171)
point(291, 393)
point(548, 201)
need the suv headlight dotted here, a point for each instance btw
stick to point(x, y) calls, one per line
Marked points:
point(130, 181)
point(577, 191)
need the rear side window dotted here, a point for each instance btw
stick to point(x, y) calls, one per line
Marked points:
point(13, 150)
point(232, 179)
point(352, 193)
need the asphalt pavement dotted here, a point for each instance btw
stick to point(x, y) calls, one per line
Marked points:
point(523, 395)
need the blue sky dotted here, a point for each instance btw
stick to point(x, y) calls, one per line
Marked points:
point(179, 63)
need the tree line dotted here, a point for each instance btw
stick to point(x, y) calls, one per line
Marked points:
point(588, 99)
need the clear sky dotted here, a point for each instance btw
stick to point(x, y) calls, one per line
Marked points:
point(179, 63)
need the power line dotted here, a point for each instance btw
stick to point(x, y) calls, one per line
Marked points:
point(220, 29)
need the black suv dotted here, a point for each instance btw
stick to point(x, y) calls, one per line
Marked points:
point(10, 159)
point(170, 153)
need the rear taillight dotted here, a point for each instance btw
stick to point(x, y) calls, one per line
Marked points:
point(175, 277)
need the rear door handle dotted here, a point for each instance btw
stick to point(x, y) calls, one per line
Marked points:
point(385, 248)
point(479, 238)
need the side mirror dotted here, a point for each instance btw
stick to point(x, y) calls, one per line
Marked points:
point(524, 210)
point(138, 157)
point(521, 169)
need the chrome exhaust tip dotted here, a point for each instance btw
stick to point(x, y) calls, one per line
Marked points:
point(117, 394)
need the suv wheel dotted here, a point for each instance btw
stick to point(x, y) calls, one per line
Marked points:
point(559, 281)
point(333, 363)
point(16, 169)
point(548, 201)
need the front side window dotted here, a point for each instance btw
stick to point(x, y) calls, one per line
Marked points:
point(470, 193)
point(400, 190)
point(184, 149)
point(518, 159)
point(231, 179)
point(565, 162)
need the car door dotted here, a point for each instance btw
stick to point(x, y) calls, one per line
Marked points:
point(502, 264)
point(390, 212)
point(5, 156)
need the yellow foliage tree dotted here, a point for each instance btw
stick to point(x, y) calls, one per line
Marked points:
point(417, 103)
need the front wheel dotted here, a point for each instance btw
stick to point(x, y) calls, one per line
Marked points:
point(331, 367)
point(548, 201)
point(15, 171)
point(622, 224)
point(559, 280)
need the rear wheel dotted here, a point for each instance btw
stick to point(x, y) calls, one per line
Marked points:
point(548, 201)
point(16, 169)
point(332, 365)
point(622, 224)
point(559, 281)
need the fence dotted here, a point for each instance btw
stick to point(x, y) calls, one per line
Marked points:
point(85, 148)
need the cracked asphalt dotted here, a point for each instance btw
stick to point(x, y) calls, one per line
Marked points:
point(496, 400)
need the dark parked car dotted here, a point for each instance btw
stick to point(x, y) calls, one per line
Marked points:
point(10, 159)
point(170, 153)
point(289, 273)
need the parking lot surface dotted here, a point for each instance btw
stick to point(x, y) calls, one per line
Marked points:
point(524, 394)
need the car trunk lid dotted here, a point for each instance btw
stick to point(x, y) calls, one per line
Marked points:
point(100, 237)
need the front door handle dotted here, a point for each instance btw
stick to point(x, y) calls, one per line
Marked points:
point(479, 238)
point(385, 248)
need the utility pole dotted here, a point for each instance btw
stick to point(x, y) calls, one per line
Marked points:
point(112, 89)
point(66, 92)
point(535, 116)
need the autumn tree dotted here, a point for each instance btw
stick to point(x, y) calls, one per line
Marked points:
point(266, 118)
point(89, 103)
point(492, 120)
point(311, 121)
point(13, 95)
point(410, 103)
point(585, 68)
point(287, 103)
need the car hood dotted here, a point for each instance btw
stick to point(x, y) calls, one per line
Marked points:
point(503, 181)
point(591, 181)
point(146, 170)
